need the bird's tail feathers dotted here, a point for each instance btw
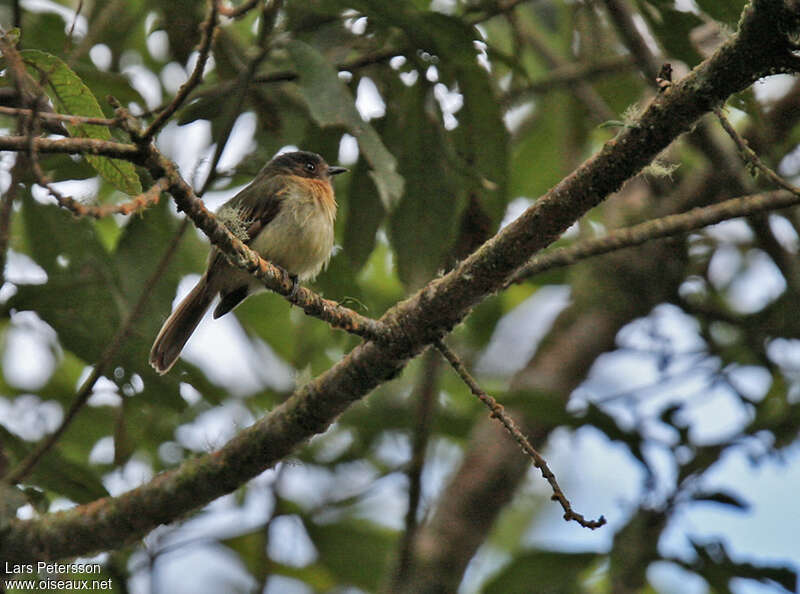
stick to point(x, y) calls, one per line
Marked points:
point(179, 326)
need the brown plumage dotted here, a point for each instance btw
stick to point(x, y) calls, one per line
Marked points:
point(286, 215)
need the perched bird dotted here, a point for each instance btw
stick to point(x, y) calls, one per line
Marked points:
point(286, 215)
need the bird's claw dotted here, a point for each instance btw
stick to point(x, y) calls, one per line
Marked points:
point(295, 287)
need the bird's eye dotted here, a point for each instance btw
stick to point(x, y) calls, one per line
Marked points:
point(310, 167)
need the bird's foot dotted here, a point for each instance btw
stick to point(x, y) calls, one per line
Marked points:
point(295, 287)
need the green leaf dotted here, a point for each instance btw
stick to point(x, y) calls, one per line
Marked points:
point(71, 96)
point(141, 247)
point(358, 553)
point(267, 316)
point(77, 300)
point(722, 497)
point(672, 28)
point(423, 226)
point(718, 569)
point(181, 20)
point(251, 548)
point(76, 481)
point(552, 573)
point(479, 150)
point(727, 11)
point(331, 104)
point(56, 473)
point(480, 139)
point(365, 212)
point(105, 83)
point(45, 31)
point(538, 159)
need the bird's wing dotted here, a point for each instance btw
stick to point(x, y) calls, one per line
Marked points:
point(255, 206)
point(247, 213)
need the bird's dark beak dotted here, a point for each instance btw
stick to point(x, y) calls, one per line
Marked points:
point(336, 170)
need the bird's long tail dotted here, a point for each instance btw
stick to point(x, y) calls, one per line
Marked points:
point(179, 327)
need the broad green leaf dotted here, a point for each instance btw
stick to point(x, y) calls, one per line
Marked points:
point(181, 20)
point(671, 28)
point(44, 31)
point(78, 300)
point(479, 151)
point(727, 11)
point(723, 498)
point(55, 472)
point(556, 573)
point(480, 140)
point(365, 213)
point(538, 162)
point(423, 226)
point(71, 96)
point(104, 83)
point(357, 553)
point(719, 568)
point(331, 104)
point(267, 316)
point(251, 548)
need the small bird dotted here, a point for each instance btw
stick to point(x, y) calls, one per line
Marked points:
point(286, 215)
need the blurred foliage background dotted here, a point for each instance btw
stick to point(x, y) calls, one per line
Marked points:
point(660, 381)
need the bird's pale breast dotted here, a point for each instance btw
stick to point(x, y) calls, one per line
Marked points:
point(300, 237)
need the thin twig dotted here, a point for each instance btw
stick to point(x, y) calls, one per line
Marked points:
point(582, 90)
point(269, 16)
point(71, 31)
point(568, 74)
point(655, 229)
point(69, 119)
point(79, 209)
point(673, 224)
point(227, 87)
point(6, 207)
point(209, 29)
point(112, 12)
point(74, 146)
point(499, 413)
point(499, 8)
point(750, 156)
point(23, 469)
point(354, 64)
point(238, 12)
point(623, 19)
point(426, 401)
point(242, 82)
point(783, 258)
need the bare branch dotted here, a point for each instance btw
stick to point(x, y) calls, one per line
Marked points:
point(567, 74)
point(750, 156)
point(239, 11)
point(656, 229)
point(6, 207)
point(57, 117)
point(633, 39)
point(209, 28)
point(426, 402)
point(73, 146)
point(99, 211)
point(499, 413)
